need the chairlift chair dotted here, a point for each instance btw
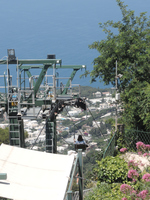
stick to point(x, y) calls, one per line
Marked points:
point(80, 146)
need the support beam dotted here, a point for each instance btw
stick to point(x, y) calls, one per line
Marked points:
point(69, 195)
point(75, 67)
point(33, 61)
point(3, 176)
point(29, 75)
point(80, 174)
point(68, 82)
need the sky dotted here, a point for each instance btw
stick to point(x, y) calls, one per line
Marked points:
point(35, 28)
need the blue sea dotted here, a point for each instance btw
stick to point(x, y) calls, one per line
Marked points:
point(35, 28)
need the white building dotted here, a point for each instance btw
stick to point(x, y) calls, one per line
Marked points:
point(98, 94)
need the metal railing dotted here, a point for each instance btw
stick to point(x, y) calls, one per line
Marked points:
point(111, 147)
point(129, 138)
point(85, 192)
point(132, 136)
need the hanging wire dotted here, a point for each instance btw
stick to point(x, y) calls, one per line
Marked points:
point(5, 61)
point(66, 141)
point(74, 124)
point(95, 121)
point(38, 136)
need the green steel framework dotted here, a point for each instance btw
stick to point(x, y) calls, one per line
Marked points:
point(28, 98)
point(78, 164)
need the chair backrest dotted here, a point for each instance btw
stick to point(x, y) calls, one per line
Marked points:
point(80, 146)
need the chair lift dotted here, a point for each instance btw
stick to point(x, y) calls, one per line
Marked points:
point(80, 146)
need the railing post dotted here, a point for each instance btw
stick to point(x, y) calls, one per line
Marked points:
point(3, 176)
point(69, 195)
point(80, 174)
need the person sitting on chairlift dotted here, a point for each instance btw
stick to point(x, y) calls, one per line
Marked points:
point(80, 143)
point(80, 140)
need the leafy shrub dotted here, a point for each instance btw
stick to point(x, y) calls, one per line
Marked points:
point(105, 191)
point(111, 170)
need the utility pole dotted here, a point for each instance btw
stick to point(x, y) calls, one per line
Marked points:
point(115, 99)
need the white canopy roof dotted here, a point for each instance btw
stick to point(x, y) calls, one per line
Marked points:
point(33, 175)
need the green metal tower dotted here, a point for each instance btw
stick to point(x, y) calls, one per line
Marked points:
point(36, 91)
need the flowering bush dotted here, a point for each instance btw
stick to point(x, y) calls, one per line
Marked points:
point(132, 164)
point(112, 174)
point(147, 147)
point(140, 147)
point(124, 198)
point(123, 150)
point(126, 189)
point(146, 177)
point(143, 194)
point(143, 148)
point(133, 174)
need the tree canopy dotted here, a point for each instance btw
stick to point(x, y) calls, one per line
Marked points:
point(128, 42)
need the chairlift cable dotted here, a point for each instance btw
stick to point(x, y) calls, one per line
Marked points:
point(38, 136)
point(95, 120)
point(72, 119)
point(65, 141)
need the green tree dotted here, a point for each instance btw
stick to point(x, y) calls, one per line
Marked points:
point(64, 134)
point(136, 107)
point(4, 135)
point(130, 46)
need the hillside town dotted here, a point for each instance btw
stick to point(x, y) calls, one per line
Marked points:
point(73, 117)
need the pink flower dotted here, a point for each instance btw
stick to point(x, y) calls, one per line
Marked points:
point(140, 146)
point(132, 164)
point(133, 192)
point(126, 189)
point(147, 147)
point(124, 198)
point(122, 150)
point(133, 174)
point(143, 194)
point(145, 154)
point(146, 177)
point(139, 153)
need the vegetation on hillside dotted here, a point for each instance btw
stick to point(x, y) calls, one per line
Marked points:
point(4, 135)
point(128, 43)
point(129, 48)
point(118, 178)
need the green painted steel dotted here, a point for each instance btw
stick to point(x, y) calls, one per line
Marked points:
point(29, 75)
point(5, 86)
point(69, 195)
point(68, 82)
point(78, 165)
point(75, 67)
point(80, 174)
point(16, 130)
point(31, 97)
point(3, 176)
point(73, 173)
point(40, 79)
point(27, 67)
point(111, 147)
point(33, 61)
point(51, 136)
